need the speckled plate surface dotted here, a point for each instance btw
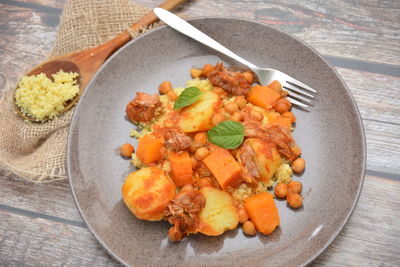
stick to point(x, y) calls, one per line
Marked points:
point(331, 137)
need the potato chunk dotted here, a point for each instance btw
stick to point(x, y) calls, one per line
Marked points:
point(147, 192)
point(197, 117)
point(219, 214)
point(266, 157)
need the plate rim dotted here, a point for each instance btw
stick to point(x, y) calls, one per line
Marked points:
point(152, 31)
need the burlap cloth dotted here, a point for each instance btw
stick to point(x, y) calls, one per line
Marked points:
point(37, 152)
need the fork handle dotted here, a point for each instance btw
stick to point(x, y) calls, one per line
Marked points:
point(182, 26)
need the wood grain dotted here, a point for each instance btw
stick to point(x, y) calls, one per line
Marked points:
point(377, 95)
point(356, 29)
point(383, 146)
point(367, 30)
point(38, 242)
point(370, 238)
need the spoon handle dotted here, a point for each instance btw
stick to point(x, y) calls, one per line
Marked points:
point(182, 26)
point(114, 44)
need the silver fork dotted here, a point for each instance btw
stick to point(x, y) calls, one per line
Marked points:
point(299, 93)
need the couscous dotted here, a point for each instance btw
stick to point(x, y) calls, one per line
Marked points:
point(42, 98)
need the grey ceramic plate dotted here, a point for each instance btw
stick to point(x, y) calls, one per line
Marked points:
point(331, 137)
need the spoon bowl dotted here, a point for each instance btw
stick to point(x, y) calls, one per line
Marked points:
point(87, 62)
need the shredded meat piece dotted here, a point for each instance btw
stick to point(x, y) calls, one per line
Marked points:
point(275, 134)
point(177, 141)
point(183, 212)
point(231, 81)
point(250, 172)
point(143, 107)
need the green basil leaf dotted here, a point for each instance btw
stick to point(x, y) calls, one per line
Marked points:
point(227, 134)
point(189, 96)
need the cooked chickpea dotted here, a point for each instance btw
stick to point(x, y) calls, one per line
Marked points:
point(165, 87)
point(295, 187)
point(200, 139)
point(172, 96)
point(194, 162)
point(236, 116)
point(242, 213)
point(281, 190)
point(218, 118)
point(249, 76)
point(187, 188)
point(201, 153)
point(207, 69)
point(126, 150)
point(282, 105)
point(203, 182)
point(294, 200)
point(256, 115)
point(289, 115)
point(231, 107)
point(195, 73)
point(276, 86)
point(241, 101)
point(249, 228)
point(298, 165)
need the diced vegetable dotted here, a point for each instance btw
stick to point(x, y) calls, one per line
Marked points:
point(285, 122)
point(219, 214)
point(197, 117)
point(147, 192)
point(266, 157)
point(149, 149)
point(181, 167)
point(263, 212)
point(224, 167)
point(262, 96)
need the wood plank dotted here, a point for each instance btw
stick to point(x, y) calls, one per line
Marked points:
point(54, 199)
point(377, 95)
point(338, 28)
point(27, 38)
point(371, 237)
point(38, 242)
point(46, 3)
point(383, 146)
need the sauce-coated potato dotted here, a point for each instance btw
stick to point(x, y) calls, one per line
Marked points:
point(197, 117)
point(147, 192)
point(219, 214)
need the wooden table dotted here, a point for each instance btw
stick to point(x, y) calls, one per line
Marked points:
point(40, 225)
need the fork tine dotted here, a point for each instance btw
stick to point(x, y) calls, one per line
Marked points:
point(296, 90)
point(301, 85)
point(299, 97)
point(295, 102)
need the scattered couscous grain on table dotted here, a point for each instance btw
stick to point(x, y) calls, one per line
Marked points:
point(223, 143)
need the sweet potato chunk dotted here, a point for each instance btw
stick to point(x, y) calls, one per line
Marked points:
point(266, 157)
point(181, 167)
point(219, 214)
point(197, 117)
point(262, 96)
point(224, 167)
point(147, 193)
point(262, 212)
point(149, 149)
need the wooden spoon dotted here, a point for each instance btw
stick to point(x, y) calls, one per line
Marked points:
point(87, 62)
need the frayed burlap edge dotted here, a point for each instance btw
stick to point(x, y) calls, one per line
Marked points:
point(22, 153)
